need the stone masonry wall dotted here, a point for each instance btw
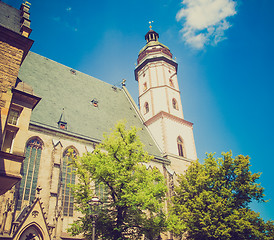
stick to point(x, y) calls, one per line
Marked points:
point(10, 60)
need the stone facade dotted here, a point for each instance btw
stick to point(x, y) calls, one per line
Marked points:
point(13, 49)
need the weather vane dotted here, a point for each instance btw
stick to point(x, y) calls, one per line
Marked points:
point(27, 3)
point(150, 22)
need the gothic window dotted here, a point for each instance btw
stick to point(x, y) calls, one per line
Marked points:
point(101, 192)
point(68, 178)
point(146, 107)
point(181, 148)
point(29, 171)
point(174, 104)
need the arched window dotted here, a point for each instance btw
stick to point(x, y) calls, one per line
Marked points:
point(146, 107)
point(181, 148)
point(145, 87)
point(29, 172)
point(171, 83)
point(68, 178)
point(174, 104)
point(32, 233)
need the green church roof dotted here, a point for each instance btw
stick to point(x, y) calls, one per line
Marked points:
point(70, 92)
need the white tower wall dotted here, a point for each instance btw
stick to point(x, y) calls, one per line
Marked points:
point(160, 103)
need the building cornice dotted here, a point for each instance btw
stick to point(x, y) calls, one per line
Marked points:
point(26, 97)
point(162, 160)
point(13, 157)
point(154, 59)
point(18, 40)
point(146, 52)
point(171, 155)
point(40, 127)
point(174, 89)
point(163, 114)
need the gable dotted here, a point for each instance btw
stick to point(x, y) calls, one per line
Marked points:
point(32, 223)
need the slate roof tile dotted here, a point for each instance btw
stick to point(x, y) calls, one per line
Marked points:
point(59, 88)
point(10, 17)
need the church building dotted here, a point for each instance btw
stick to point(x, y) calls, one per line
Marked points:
point(48, 108)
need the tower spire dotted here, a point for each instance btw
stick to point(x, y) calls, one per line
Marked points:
point(160, 100)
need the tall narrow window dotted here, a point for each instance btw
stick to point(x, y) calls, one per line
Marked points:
point(145, 87)
point(146, 107)
point(174, 104)
point(171, 83)
point(29, 171)
point(68, 178)
point(181, 149)
point(101, 191)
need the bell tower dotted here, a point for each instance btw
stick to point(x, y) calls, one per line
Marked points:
point(160, 101)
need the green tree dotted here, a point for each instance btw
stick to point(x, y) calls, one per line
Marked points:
point(135, 193)
point(212, 201)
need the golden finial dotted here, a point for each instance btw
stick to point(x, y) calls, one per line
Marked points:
point(150, 22)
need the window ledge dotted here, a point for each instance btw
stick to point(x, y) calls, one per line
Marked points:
point(12, 128)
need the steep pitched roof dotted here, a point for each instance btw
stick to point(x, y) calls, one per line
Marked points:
point(10, 17)
point(64, 88)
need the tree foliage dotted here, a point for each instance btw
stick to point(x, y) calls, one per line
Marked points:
point(212, 201)
point(135, 193)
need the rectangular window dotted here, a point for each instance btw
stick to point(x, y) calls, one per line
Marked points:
point(13, 117)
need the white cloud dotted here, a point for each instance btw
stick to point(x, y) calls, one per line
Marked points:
point(205, 21)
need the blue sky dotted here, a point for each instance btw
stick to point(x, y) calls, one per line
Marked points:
point(224, 49)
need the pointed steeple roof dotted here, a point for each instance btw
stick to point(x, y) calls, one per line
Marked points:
point(62, 117)
point(152, 41)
